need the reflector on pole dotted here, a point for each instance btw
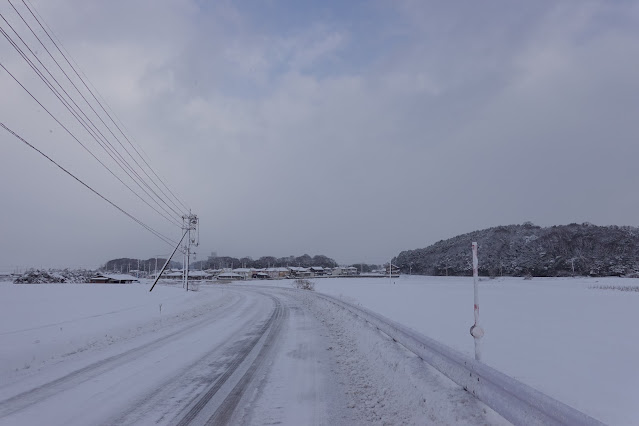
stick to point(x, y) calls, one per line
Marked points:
point(476, 331)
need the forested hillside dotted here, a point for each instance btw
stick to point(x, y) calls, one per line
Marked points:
point(519, 250)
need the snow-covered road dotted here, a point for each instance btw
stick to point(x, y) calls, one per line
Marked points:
point(223, 355)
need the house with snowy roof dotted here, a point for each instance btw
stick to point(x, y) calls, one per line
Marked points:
point(298, 271)
point(200, 275)
point(317, 271)
point(345, 270)
point(280, 272)
point(101, 278)
point(246, 273)
point(173, 275)
point(392, 270)
point(230, 276)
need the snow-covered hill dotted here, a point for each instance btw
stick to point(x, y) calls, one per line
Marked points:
point(519, 250)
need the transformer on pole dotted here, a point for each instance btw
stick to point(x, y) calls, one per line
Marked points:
point(476, 331)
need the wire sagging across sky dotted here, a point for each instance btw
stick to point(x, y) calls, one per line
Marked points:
point(138, 221)
point(28, 34)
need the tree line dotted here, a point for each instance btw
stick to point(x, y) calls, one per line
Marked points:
point(125, 264)
point(305, 261)
point(213, 261)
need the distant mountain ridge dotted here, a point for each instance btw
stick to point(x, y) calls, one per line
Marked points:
point(519, 250)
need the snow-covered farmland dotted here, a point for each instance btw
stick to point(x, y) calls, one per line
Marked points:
point(42, 323)
point(228, 354)
point(562, 336)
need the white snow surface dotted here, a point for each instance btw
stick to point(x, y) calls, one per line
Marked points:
point(125, 361)
point(74, 354)
point(562, 336)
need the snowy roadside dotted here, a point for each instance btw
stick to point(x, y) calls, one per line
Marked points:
point(561, 336)
point(388, 385)
point(56, 324)
point(332, 367)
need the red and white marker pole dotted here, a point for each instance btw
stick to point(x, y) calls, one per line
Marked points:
point(476, 331)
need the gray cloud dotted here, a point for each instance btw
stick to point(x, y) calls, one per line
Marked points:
point(332, 138)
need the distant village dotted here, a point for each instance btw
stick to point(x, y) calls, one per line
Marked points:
point(241, 274)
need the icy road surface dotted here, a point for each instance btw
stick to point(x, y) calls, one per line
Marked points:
point(82, 354)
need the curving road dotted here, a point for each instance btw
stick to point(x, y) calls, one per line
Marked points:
point(257, 356)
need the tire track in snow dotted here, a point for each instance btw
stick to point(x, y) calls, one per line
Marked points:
point(217, 405)
point(380, 381)
point(25, 399)
point(172, 396)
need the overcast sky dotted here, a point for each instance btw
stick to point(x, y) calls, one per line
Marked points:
point(352, 129)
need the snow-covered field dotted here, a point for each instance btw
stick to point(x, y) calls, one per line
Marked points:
point(575, 343)
point(43, 323)
point(78, 354)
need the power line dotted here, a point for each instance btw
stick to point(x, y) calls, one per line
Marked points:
point(82, 123)
point(167, 240)
point(121, 162)
point(87, 123)
point(182, 203)
point(84, 146)
point(57, 45)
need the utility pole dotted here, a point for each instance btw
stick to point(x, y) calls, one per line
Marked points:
point(189, 226)
point(184, 261)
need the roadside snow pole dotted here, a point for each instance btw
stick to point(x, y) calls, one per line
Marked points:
point(476, 331)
